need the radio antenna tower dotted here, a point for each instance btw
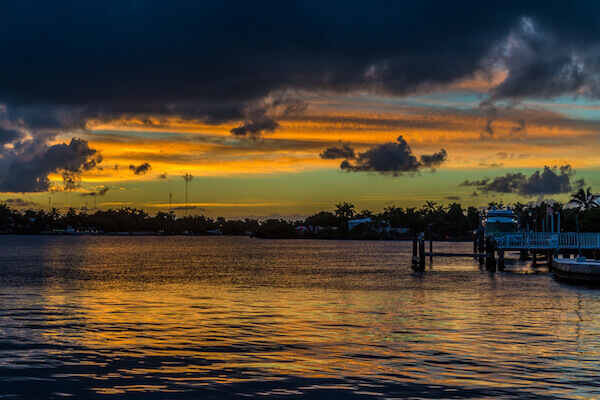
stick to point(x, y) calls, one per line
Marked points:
point(186, 177)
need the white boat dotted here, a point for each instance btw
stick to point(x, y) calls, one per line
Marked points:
point(577, 269)
point(500, 222)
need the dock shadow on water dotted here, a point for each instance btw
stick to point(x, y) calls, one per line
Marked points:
point(226, 317)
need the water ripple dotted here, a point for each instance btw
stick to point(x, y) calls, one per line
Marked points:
point(180, 317)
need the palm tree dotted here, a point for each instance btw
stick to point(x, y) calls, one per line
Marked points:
point(584, 199)
point(493, 204)
point(345, 210)
point(365, 214)
point(391, 210)
point(429, 206)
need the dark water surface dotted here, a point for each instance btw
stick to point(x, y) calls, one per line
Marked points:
point(219, 317)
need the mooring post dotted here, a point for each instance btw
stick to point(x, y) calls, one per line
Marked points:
point(500, 260)
point(430, 245)
point(415, 250)
point(490, 262)
point(475, 243)
point(534, 258)
point(481, 238)
point(422, 252)
point(480, 243)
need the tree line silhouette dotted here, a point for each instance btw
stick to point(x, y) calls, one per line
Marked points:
point(445, 222)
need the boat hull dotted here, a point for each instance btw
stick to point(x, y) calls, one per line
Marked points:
point(573, 270)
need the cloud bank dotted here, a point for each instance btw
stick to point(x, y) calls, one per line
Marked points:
point(27, 163)
point(546, 49)
point(140, 169)
point(332, 153)
point(553, 180)
point(266, 55)
point(392, 158)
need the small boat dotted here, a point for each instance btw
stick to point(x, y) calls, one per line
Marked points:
point(500, 222)
point(577, 269)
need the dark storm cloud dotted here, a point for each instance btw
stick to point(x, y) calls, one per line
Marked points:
point(140, 169)
point(258, 117)
point(393, 158)
point(549, 181)
point(332, 153)
point(546, 59)
point(66, 63)
point(255, 127)
point(434, 160)
point(25, 166)
point(94, 57)
point(101, 192)
point(9, 136)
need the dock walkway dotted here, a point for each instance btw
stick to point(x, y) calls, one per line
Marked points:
point(530, 245)
point(548, 241)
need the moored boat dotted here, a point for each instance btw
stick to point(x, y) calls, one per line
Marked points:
point(577, 270)
point(500, 222)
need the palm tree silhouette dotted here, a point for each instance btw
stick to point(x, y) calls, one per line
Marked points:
point(345, 210)
point(429, 207)
point(584, 199)
point(493, 204)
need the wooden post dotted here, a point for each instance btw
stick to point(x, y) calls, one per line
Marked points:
point(534, 258)
point(430, 244)
point(422, 252)
point(481, 239)
point(493, 254)
point(500, 260)
point(415, 250)
point(481, 243)
point(490, 263)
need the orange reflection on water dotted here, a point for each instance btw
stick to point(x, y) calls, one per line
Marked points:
point(168, 313)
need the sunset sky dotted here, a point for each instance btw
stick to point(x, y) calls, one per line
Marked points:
point(286, 108)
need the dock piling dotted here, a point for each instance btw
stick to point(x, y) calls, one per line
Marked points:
point(430, 244)
point(490, 262)
point(500, 260)
point(422, 252)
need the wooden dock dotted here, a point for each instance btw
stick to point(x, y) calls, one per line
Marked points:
point(537, 246)
point(549, 241)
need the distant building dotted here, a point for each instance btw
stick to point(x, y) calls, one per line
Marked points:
point(353, 223)
point(302, 229)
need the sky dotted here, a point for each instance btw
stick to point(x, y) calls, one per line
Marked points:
point(283, 109)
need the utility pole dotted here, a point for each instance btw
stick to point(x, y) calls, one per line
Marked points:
point(186, 177)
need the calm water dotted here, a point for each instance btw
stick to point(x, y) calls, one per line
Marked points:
point(217, 317)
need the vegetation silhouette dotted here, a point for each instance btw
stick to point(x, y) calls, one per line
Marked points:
point(451, 222)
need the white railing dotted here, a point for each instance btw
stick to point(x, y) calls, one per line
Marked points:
point(549, 240)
